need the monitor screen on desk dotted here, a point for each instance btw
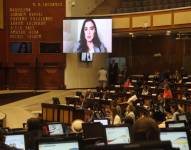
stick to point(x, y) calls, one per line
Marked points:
point(117, 135)
point(182, 117)
point(15, 140)
point(176, 124)
point(178, 138)
point(55, 129)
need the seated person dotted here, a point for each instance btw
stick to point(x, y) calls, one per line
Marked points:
point(34, 126)
point(174, 111)
point(132, 98)
point(145, 90)
point(127, 83)
point(89, 94)
point(147, 104)
point(167, 93)
point(130, 112)
point(145, 129)
point(177, 77)
point(117, 118)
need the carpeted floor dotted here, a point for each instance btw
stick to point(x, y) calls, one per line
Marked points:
point(6, 98)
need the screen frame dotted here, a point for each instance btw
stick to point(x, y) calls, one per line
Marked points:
point(45, 128)
point(49, 43)
point(119, 126)
point(18, 45)
point(49, 124)
point(108, 44)
point(170, 130)
point(54, 140)
point(17, 133)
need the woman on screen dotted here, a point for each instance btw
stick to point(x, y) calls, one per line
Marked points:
point(23, 47)
point(89, 40)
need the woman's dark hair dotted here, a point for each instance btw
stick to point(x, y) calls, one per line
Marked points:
point(96, 40)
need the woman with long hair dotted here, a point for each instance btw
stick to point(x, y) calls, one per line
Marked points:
point(89, 39)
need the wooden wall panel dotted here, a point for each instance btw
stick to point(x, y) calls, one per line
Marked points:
point(121, 22)
point(149, 54)
point(162, 19)
point(141, 21)
point(24, 77)
point(51, 77)
point(1, 14)
point(182, 17)
point(35, 22)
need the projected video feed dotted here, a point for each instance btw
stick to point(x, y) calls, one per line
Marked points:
point(117, 135)
point(17, 141)
point(20, 47)
point(90, 35)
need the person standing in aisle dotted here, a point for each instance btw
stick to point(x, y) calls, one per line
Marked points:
point(102, 77)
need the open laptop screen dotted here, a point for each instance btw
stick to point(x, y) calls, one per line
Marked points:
point(55, 129)
point(15, 140)
point(117, 135)
point(178, 138)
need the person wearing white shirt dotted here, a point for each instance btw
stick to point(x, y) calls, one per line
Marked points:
point(102, 77)
point(133, 98)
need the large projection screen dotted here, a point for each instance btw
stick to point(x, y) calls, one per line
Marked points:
point(1, 14)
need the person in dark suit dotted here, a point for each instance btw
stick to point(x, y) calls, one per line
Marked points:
point(113, 72)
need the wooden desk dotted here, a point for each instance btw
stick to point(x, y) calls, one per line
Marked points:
point(73, 100)
point(62, 113)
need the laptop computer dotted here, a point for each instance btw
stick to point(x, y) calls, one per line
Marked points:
point(53, 129)
point(58, 144)
point(16, 140)
point(118, 135)
point(179, 137)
